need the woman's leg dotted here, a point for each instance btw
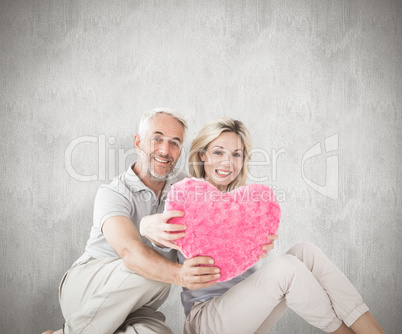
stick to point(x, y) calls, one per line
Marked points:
point(367, 324)
point(343, 330)
point(345, 299)
point(273, 318)
point(244, 307)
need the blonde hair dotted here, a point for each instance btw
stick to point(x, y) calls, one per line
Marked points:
point(209, 133)
point(148, 115)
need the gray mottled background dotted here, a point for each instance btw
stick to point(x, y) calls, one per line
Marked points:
point(75, 77)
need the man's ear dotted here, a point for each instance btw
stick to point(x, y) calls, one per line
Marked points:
point(137, 142)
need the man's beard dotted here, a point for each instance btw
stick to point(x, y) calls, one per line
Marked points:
point(146, 165)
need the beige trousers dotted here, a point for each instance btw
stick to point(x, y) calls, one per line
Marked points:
point(303, 279)
point(103, 296)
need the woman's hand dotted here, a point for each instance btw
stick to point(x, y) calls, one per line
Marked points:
point(157, 230)
point(269, 246)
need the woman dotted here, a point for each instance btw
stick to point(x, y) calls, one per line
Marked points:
point(303, 279)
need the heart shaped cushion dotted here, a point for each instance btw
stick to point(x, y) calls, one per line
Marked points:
point(229, 227)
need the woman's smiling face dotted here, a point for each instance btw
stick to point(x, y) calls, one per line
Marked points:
point(223, 160)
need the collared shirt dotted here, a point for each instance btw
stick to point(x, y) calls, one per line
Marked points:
point(125, 196)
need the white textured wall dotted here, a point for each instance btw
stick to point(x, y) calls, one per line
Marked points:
point(296, 72)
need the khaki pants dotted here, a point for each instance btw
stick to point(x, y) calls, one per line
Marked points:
point(303, 279)
point(103, 296)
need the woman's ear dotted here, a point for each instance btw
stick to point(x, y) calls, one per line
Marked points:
point(202, 156)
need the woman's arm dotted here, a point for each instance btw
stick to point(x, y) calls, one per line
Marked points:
point(157, 230)
point(269, 246)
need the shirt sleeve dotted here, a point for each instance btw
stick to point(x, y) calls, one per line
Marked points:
point(109, 203)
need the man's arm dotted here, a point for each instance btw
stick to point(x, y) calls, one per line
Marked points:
point(124, 238)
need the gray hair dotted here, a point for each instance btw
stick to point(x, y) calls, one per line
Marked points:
point(148, 115)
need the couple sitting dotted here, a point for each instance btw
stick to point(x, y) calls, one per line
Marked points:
point(125, 273)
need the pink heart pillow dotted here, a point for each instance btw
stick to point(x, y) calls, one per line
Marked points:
point(229, 227)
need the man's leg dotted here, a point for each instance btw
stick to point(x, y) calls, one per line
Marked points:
point(144, 321)
point(97, 296)
point(244, 307)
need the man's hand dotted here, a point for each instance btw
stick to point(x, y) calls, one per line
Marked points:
point(156, 229)
point(197, 273)
point(269, 246)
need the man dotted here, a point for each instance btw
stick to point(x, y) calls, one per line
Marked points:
point(120, 281)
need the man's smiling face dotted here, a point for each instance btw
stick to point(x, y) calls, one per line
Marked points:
point(161, 147)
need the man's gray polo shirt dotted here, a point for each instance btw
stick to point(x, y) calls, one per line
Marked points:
point(125, 196)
